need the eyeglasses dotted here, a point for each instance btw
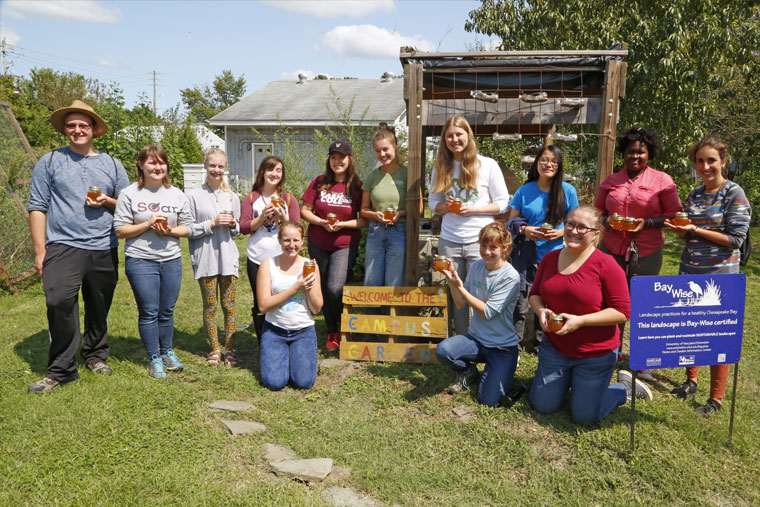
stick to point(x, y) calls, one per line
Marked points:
point(548, 161)
point(580, 229)
point(84, 127)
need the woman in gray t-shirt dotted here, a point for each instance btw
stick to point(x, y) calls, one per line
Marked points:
point(152, 215)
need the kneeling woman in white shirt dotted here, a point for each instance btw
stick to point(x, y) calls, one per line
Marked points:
point(288, 344)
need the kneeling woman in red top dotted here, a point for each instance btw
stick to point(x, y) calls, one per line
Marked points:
point(588, 291)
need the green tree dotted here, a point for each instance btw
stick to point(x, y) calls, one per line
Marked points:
point(205, 101)
point(680, 55)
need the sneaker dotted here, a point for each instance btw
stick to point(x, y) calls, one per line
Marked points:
point(171, 361)
point(333, 341)
point(645, 375)
point(516, 390)
point(43, 386)
point(708, 408)
point(642, 391)
point(686, 390)
point(156, 367)
point(463, 381)
point(99, 367)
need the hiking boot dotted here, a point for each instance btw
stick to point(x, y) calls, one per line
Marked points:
point(99, 367)
point(156, 367)
point(463, 381)
point(43, 386)
point(642, 391)
point(686, 390)
point(708, 408)
point(333, 341)
point(645, 375)
point(516, 390)
point(171, 361)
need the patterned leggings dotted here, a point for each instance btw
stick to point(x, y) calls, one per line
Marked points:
point(227, 287)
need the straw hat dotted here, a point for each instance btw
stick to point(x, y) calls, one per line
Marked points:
point(59, 115)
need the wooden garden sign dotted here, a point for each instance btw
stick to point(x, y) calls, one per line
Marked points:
point(426, 331)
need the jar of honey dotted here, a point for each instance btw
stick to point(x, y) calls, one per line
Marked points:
point(231, 217)
point(332, 218)
point(456, 206)
point(308, 267)
point(277, 202)
point(681, 219)
point(546, 227)
point(555, 323)
point(629, 224)
point(162, 224)
point(389, 214)
point(616, 222)
point(441, 263)
point(93, 192)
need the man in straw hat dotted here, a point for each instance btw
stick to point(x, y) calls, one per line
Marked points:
point(73, 195)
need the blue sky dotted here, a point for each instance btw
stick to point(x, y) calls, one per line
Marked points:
point(188, 42)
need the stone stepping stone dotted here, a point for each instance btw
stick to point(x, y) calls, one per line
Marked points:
point(274, 452)
point(345, 497)
point(463, 412)
point(230, 405)
point(308, 470)
point(242, 427)
point(332, 363)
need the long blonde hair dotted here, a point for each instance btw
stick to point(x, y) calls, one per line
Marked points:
point(216, 152)
point(444, 164)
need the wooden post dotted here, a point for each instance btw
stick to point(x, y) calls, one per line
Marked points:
point(413, 98)
point(608, 123)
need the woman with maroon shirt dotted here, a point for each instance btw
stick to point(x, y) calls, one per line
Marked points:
point(334, 245)
point(588, 290)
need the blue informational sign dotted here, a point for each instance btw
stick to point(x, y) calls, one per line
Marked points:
point(686, 320)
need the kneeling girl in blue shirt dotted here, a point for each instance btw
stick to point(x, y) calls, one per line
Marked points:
point(491, 290)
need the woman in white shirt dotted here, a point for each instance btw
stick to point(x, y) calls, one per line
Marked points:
point(462, 174)
point(288, 344)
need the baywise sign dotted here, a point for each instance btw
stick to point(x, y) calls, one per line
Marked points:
point(686, 320)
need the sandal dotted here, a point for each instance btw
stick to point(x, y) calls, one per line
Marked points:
point(230, 359)
point(214, 357)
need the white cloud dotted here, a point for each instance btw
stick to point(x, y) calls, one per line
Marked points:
point(9, 35)
point(369, 41)
point(293, 76)
point(333, 8)
point(109, 61)
point(86, 11)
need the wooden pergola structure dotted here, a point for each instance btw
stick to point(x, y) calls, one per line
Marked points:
point(506, 93)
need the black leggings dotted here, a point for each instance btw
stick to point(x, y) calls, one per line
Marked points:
point(334, 267)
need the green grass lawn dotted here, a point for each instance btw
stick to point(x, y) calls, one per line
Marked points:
point(130, 439)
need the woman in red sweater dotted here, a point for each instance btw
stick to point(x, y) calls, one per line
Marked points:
point(588, 289)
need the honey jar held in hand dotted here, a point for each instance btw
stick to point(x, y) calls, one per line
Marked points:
point(441, 263)
point(456, 205)
point(389, 214)
point(546, 228)
point(162, 223)
point(629, 223)
point(93, 192)
point(616, 222)
point(308, 267)
point(555, 323)
point(332, 218)
point(681, 219)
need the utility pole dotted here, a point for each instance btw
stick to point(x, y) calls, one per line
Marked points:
point(154, 93)
point(5, 59)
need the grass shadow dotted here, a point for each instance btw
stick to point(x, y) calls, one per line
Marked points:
point(427, 379)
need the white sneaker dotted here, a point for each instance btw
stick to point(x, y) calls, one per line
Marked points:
point(625, 378)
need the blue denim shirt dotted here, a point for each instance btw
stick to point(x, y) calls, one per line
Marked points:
point(59, 187)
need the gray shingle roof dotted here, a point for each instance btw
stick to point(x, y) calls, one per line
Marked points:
point(307, 103)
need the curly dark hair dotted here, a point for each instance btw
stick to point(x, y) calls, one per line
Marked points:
point(645, 135)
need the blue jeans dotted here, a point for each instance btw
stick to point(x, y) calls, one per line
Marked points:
point(385, 255)
point(156, 288)
point(286, 355)
point(461, 351)
point(588, 380)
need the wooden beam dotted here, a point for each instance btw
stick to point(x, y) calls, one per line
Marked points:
point(484, 55)
point(398, 325)
point(413, 97)
point(397, 352)
point(397, 296)
point(608, 122)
